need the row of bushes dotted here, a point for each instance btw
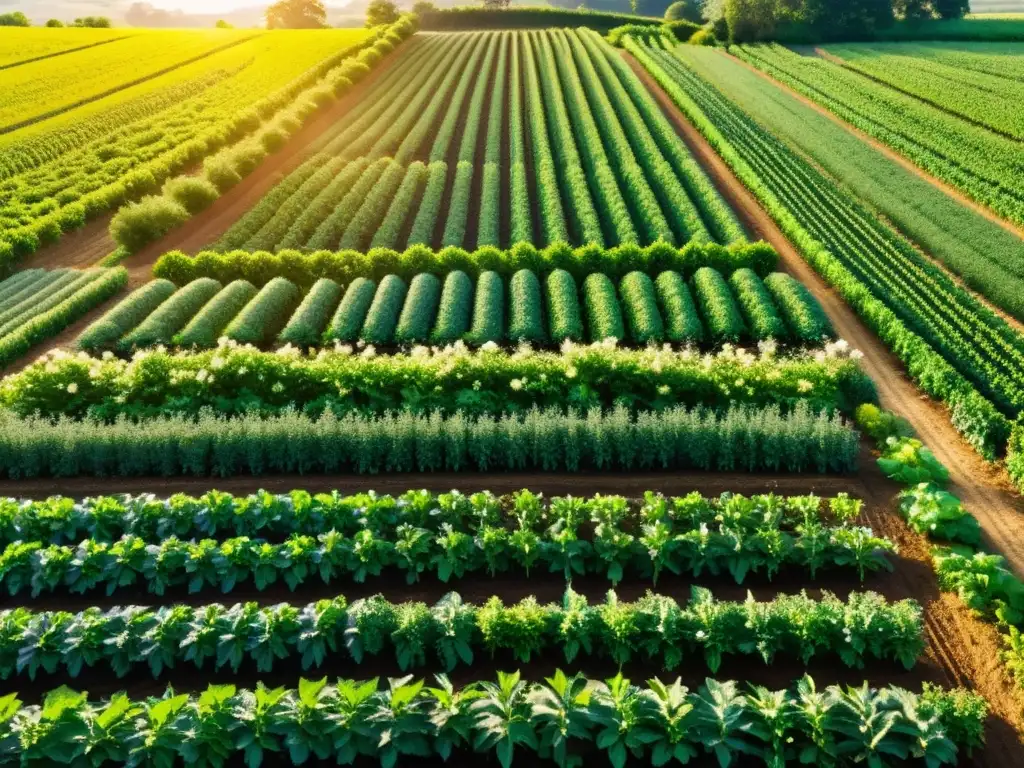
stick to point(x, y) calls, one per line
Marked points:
point(345, 266)
point(139, 223)
point(235, 380)
point(552, 440)
point(468, 18)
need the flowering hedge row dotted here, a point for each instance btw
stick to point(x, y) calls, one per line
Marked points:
point(233, 380)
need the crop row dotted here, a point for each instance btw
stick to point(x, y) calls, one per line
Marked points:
point(345, 266)
point(451, 633)
point(984, 165)
point(447, 552)
point(743, 439)
point(36, 305)
point(62, 520)
point(562, 719)
point(955, 348)
point(114, 162)
point(436, 311)
point(233, 380)
point(606, 167)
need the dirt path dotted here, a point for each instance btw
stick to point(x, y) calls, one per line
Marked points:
point(983, 488)
point(93, 242)
point(885, 149)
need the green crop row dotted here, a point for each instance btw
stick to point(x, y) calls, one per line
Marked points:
point(551, 440)
point(343, 267)
point(216, 514)
point(559, 721)
point(654, 311)
point(452, 633)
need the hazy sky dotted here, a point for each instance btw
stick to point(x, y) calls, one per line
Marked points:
point(201, 6)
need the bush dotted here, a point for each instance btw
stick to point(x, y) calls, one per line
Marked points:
point(220, 170)
point(261, 319)
point(307, 324)
point(763, 320)
point(348, 320)
point(722, 317)
point(420, 309)
point(135, 308)
point(682, 30)
point(488, 310)
point(641, 309)
point(525, 322)
point(454, 310)
point(193, 193)
point(685, 10)
point(880, 425)
point(206, 327)
point(604, 316)
point(382, 318)
point(682, 321)
point(272, 138)
point(172, 315)
point(564, 316)
point(703, 37)
point(139, 224)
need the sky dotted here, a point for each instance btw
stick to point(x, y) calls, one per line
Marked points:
point(201, 6)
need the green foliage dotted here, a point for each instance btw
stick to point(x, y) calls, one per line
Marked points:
point(804, 316)
point(939, 515)
point(880, 425)
point(307, 324)
point(383, 314)
point(983, 582)
point(351, 314)
point(525, 322)
point(682, 322)
point(906, 460)
point(172, 315)
point(564, 317)
point(208, 324)
point(139, 224)
point(488, 310)
point(455, 309)
point(548, 440)
point(263, 317)
point(756, 304)
point(193, 193)
point(135, 308)
point(604, 316)
point(717, 306)
point(420, 310)
point(641, 309)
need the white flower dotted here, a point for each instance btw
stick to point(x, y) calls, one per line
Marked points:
point(664, 389)
point(490, 346)
point(94, 372)
point(570, 372)
point(803, 385)
point(108, 355)
point(856, 354)
point(72, 388)
point(370, 351)
point(516, 384)
point(277, 388)
point(419, 352)
point(218, 362)
point(202, 374)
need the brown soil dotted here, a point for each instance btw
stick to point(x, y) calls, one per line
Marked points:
point(93, 242)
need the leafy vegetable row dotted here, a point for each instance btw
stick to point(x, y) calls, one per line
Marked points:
point(655, 630)
point(62, 520)
point(561, 721)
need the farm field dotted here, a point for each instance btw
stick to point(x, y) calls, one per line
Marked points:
point(20, 46)
point(494, 139)
point(983, 165)
point(475, 400)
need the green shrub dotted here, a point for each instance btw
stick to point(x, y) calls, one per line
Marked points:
point(641, 309)
point(193, 193)
point(564, 316)
point(703, 37)
point(172, 315)
point(801, 311)
point(348, 320)
point(139, 224)
point(525, 322)
point(682, 321)
point(382, 318)
point(488, 310)
point(1015, 455)
point(220, 171)
point(307, 325)
point(262, 318)
point(420, 309)
point(880, 425)
point(604, 316)
point(455, 309)
point(209, 323)
point(135, 308)
point(754, 301)
point(722, 318)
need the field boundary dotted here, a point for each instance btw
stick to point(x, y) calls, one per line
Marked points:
point(56, 54)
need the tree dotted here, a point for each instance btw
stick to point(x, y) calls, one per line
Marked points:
point(913, 10)
point(221, 24)
point(423, 7)
point(750, 20)
point(93, 22)
point(952, 9)
point(685, 10)
point(297, 14)
point(54, 23)
point(16, 19)
point(381, 12)
point(500, 5)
